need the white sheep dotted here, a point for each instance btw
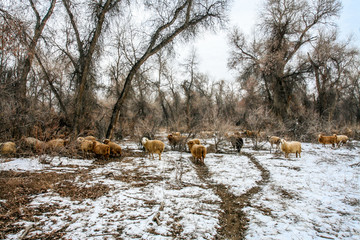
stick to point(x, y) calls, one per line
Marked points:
point(290, 147)
point(153, 146)
point(341, 139)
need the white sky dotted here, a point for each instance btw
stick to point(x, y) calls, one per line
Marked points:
point(213, 49)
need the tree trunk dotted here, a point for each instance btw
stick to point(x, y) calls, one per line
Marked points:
point(121, 98)
point(85, 60)
point(39, 27)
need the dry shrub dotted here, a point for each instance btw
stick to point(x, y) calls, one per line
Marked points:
point(69, 189)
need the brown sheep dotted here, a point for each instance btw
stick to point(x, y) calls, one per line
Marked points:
point(236, 140)
point(86, 147)
point(40, 146)
point(115, 149)
point(197, 151)
point(327, 139)
point(193, 141)
point(153, 146)
point(273, 140)
point(176, 140)
point(8, 148)
point(29, 141)
point(101, 149)
point(33, 144)
point(56, 144)
point(250, 134)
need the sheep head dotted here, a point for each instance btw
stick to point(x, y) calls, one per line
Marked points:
point(190, 144)
point(144, 140)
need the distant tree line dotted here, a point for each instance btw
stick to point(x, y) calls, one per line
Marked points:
point(109, 68)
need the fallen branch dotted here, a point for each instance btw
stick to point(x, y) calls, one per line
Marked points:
point(157, 214)
point(26, 231)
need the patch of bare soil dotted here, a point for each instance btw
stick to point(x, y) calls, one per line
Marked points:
point(17, 189)
point(233, 220)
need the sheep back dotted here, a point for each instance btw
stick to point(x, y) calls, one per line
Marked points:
point(56, 144)
point(115, 149)
point(91, 138)
point(8, 148)
point(101, 149)
point(198, 152)
point(30, 141)
point(86, 146)
point(327, 139)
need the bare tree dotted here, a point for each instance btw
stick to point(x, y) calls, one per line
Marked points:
point(188, 85)
point(180, 17)
point(332, 62)
point(287, 26)
point(86, 47)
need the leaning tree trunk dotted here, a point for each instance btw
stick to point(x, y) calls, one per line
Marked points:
point(39, 27)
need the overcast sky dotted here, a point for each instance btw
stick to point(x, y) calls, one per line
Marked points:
point(212, 49)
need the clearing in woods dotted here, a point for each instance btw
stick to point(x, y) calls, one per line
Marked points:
point(232, 196)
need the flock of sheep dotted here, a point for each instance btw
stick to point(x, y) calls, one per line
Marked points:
point(199, 151)
point(89, 145)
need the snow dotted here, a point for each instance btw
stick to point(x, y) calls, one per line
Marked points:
point(316, 196)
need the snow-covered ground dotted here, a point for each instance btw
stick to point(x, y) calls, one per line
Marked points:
point(314, 197)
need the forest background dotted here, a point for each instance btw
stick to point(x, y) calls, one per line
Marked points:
point(112, 68)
